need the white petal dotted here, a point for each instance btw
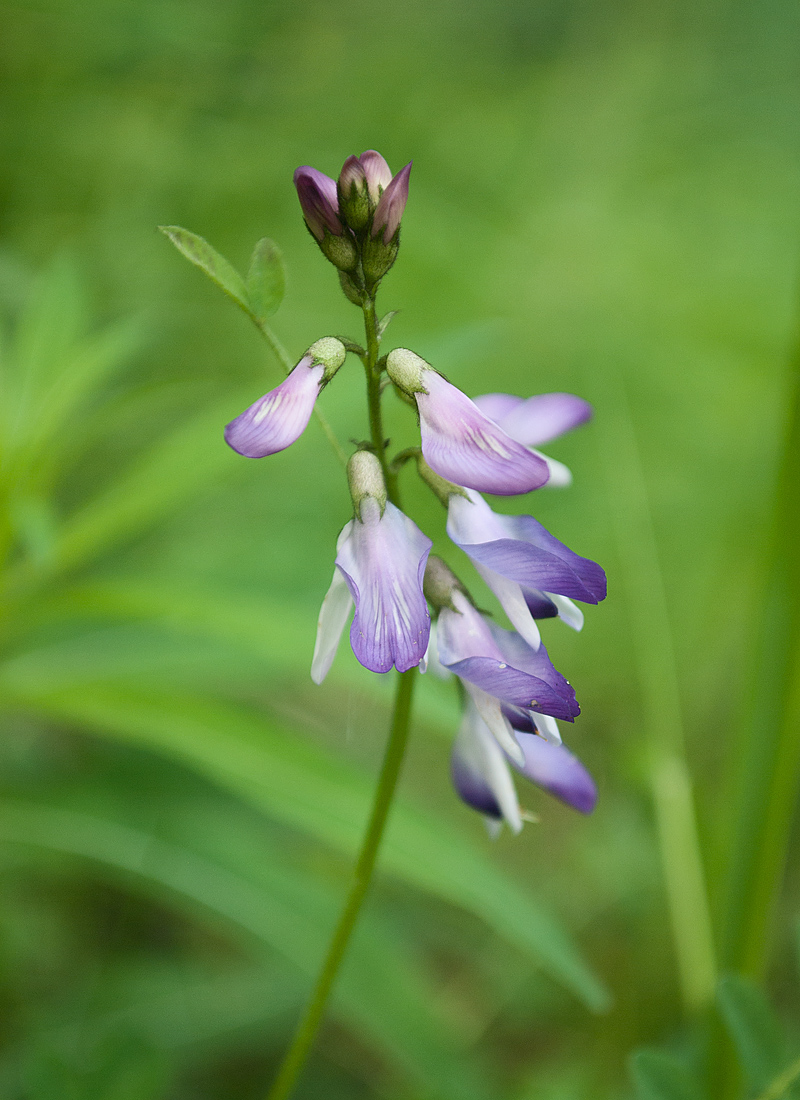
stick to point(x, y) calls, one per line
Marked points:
point(548, 728)
point(333, 616)
point(509, 593)
point(560, 475)
point(490, 711)
point(484, 756)
point(568, 611)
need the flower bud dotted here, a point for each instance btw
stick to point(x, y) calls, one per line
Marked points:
point(330, 353)
point(377, 258)
point(341, 251)
point(365, 478)
point(406, 368)
point(440, 583)
point(391, 206)
point(353, 192)
point(318, 201)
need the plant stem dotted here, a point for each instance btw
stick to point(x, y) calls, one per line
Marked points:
point(362, 875)
point(374, 398)
point(282, 355)
point(769, 751)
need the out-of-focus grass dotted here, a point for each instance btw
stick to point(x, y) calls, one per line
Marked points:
point(598, 190)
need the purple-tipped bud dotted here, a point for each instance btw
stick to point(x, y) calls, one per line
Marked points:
point(319, 201)
point(391, 205)
point(378, 174)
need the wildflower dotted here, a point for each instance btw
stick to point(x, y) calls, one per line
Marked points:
point(536, 420)
point(460, 442)
point(526, 567)
point(278, 418)
point(380, 563)
point(481, 776)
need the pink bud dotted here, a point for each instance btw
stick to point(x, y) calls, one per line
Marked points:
point(391, 206)
point(319, 201)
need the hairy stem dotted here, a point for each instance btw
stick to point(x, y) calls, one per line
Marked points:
point(374, 399)
point(362, 875)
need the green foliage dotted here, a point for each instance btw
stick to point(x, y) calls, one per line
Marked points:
point(753, 1028)
point(658, 1076)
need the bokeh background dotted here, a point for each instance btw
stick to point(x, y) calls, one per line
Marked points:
point(604, 201)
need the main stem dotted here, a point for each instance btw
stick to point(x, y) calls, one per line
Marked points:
point(387, 782)
point(362, 875)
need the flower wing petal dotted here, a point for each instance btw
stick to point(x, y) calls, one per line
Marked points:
point(553, 768)
point(545, 416)
point(332, 618)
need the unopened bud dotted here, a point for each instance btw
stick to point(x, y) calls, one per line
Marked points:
point(365, 478)
point(354, 202)
point(406, 369)
point(341, 251)
point(330, 352)
point(439, 584)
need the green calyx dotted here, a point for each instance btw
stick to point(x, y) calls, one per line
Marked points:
point(329, 353)
point(406, 369)
point(440, 583)
point(365, 479)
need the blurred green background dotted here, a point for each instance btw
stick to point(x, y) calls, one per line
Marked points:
point(603, 200)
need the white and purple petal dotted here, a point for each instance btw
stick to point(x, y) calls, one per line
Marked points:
point(522, 550)
point(480, 772)
point(377, 173)
point(554, 769)
point(537, 419)
point(382, 559)
point(464, 446)
point(278, 418)
point(333, 615)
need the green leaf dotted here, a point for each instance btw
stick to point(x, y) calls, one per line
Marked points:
point(753, 1027)
point(199, 252)
point(317, 793)
point(381, 991)
point(658, 1076)
point(266, 279)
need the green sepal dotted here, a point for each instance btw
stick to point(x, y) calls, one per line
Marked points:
point(219, 270)
point(266, 279)
point(386, 320)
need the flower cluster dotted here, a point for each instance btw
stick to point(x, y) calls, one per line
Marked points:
point(383, 572)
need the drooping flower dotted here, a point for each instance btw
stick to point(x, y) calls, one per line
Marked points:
point(380, 563)
point(500, 663)
point(526, 567)
point(536, 420)
point(481, 776)
point(460, 442)
point(278, 418)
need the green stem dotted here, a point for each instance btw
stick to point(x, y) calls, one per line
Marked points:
point(668, 770)
point(282, 355)
point(769, 752)
point(374, 398)
point(362, 875)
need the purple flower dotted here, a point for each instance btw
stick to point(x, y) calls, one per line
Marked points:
point(380, 563)
point(319, 202)
point(532, 574)
point(481, 777)
point(278, 418)
point(501, 665)
point(459, 442)
point(537, 420)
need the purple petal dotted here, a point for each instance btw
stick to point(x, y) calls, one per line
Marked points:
point(557, 771)
point(480, 771)
point(352, 173)
point(319, 201)
point(461, 444)
point(391, 205)
point(278, 418)
point(501, 663)
point(377, 172)
point(522, 550)
point(544, 417)
point(383, 561)
point(539, 605)
point(497, 405)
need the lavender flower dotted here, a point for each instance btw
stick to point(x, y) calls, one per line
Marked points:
point(318, 201)
point(537, 420)
point(278, 418)
point(482, 779)
point(529, 570)
point(380, 562)
point(459, 442)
